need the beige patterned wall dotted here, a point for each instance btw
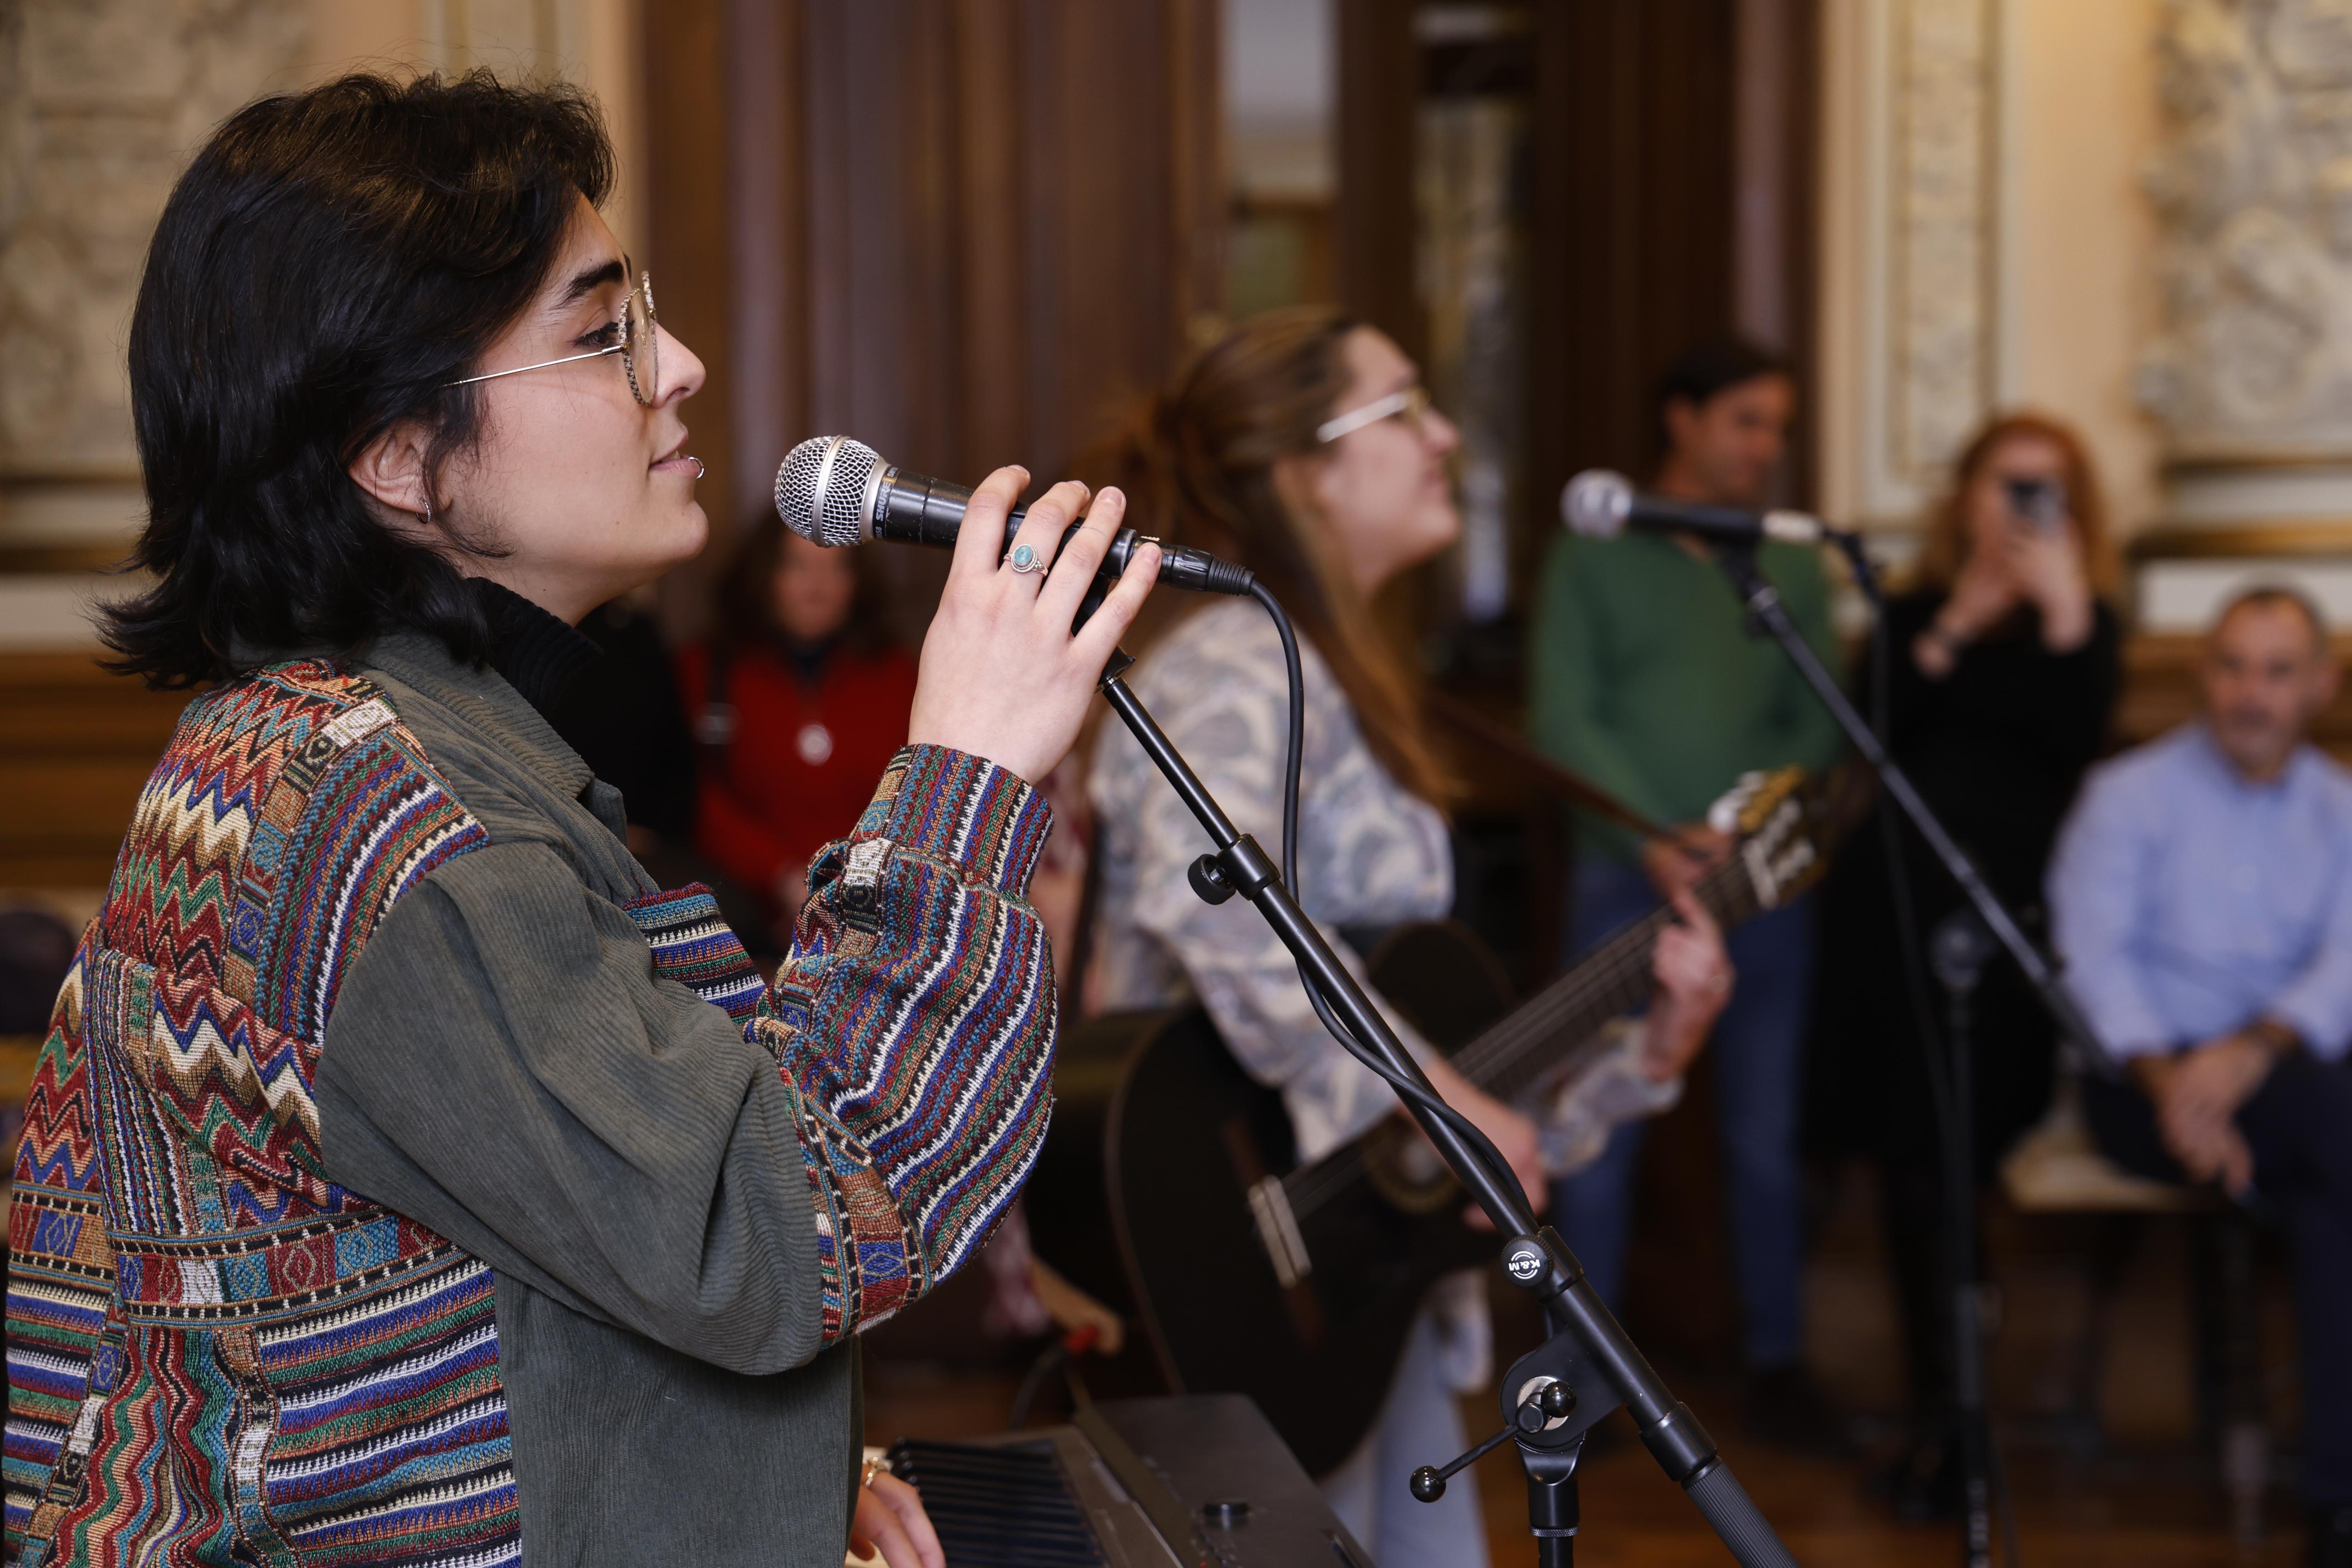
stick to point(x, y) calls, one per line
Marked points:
point(1943, 85)
point(1985, 241)
point(1912, 211)
point(2249, 372)
point(105, 99)
point(101, 102)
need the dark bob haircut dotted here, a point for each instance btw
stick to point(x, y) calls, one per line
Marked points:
point(329, 262)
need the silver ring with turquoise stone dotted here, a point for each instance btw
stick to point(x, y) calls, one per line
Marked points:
point(1026, 560)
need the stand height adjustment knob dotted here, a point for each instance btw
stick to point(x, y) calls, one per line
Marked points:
point(1208, 878)
point(1541, 1406)
point(1548, 1404)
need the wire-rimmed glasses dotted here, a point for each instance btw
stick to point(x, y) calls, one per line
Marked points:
point(639, 329)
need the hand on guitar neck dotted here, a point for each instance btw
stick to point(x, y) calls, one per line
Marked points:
point(1694, 981)
point(1676, 863)
point(1285, 1279)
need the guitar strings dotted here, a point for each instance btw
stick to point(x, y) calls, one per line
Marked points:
point(1487, 1060)
point(1615, 970)
point(1621, 967)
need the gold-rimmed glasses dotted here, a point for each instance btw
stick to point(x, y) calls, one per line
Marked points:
point(639, 329)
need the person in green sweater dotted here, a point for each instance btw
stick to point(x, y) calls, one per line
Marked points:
point(1646, 681)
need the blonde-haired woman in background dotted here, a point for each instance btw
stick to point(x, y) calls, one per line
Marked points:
point(2003, 667)
point(1302, 446)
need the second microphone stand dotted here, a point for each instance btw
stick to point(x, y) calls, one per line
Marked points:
point(1991, 923)
point(1555, 1394)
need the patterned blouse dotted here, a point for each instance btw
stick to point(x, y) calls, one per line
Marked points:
point(1371, 853)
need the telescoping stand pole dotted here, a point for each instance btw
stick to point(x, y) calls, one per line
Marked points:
point(1556, 1393)
point(1992, 919)
point(1958, 950)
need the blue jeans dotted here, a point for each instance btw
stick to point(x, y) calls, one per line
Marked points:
point(1420, 1424)
point(1758, 1048)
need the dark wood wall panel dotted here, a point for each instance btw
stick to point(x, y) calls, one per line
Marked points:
point(966, 232)
point(1634, 208)
point(1380, 94)
point(79, 744)
point(684, 45)
point(767, 222)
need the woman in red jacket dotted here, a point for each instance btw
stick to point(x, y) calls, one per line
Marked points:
point(803, 704)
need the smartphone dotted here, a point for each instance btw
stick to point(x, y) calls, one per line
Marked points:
point(2042, 502)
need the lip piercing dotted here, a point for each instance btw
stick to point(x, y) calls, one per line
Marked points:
point(1026, 560)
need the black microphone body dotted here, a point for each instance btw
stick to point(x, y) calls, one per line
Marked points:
point(836, 491)
point(1600, 503)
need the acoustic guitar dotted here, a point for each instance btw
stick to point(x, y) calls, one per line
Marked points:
point(1297, 1284)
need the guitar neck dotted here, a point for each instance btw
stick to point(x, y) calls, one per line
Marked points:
point(1546, 1034)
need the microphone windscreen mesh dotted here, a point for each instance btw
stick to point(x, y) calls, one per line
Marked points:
point(821, 489)
point(1596, 504)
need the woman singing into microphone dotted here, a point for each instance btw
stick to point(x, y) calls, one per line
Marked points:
point(1303, 448)
point(405, 1178)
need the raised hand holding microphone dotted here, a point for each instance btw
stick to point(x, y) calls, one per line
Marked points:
point(834, 491)
point(1003, 677)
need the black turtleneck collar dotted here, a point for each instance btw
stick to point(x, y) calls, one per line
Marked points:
point(536, 653)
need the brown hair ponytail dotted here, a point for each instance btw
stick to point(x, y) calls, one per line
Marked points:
point(1197, 463)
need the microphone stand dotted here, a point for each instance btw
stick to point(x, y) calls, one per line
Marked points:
point(1958, 951)
point(1961, 949)
point(1558, 1392)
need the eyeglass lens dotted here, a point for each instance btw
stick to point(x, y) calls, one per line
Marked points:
point(641, 355)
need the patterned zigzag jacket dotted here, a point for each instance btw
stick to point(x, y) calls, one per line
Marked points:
point(375, 932)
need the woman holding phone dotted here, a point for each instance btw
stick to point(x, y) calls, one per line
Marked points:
point(2002, 673)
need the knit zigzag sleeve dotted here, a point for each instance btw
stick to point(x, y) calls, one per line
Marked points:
point(915, 1017)
point(65, 1328)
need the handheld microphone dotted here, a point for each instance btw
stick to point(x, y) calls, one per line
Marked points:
point(835, 491)
point(1601, 504)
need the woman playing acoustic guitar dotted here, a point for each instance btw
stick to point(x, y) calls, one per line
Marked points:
point(1303, 447)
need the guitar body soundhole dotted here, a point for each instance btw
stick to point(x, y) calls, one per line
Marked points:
point(1218, 1314)
point(1407, 1173)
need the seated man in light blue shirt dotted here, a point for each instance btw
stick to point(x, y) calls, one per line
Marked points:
point(2202, 897)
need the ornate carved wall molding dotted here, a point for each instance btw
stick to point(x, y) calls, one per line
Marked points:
point(1942, 211)
point(2249, 375)
point(2252, 188)
point(1913, 197)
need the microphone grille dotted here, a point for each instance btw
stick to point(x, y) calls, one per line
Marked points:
point(821, 488)
point(1596, 503)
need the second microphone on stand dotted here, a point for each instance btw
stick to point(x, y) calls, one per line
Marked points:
point(1601, 504)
